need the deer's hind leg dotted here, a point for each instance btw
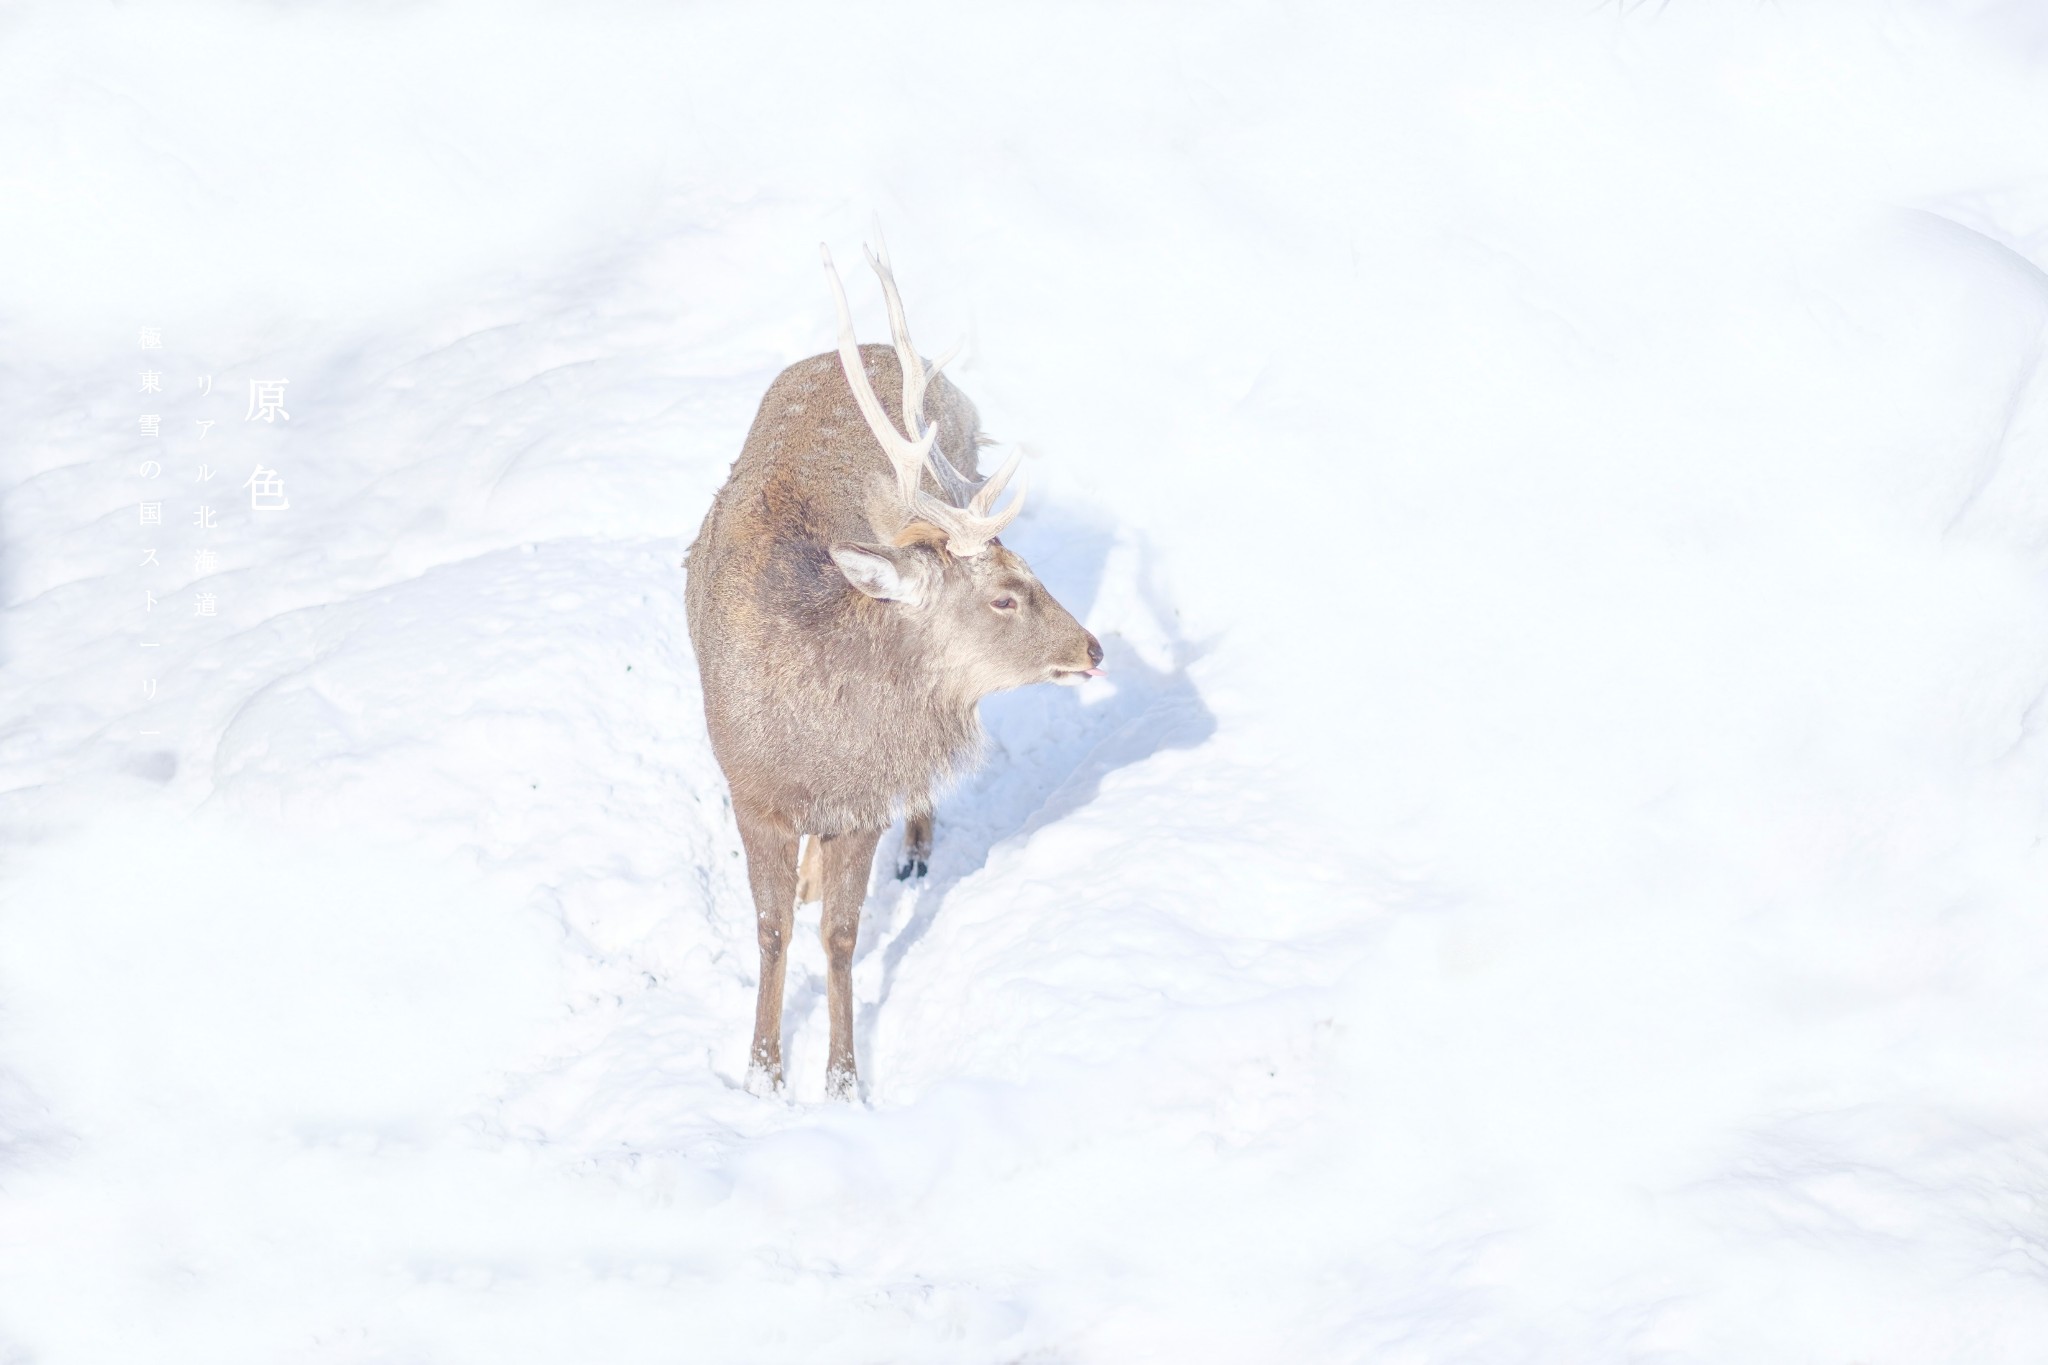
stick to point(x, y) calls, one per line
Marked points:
point(810, 873)
point(917, 841)
point(771, 873)
point(844, 863)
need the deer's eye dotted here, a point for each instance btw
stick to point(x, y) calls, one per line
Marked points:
point(1004, 604)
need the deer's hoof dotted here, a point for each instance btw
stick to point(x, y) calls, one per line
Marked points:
point(910, 867)
point(764, 1081)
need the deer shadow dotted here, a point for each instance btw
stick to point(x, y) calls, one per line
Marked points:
point(1049, 747)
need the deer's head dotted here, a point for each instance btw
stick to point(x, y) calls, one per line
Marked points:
point(986, 619)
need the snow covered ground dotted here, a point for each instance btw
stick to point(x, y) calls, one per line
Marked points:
point(1554, 874)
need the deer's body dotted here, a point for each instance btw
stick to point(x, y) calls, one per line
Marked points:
point(821, 705)
point(849, 607)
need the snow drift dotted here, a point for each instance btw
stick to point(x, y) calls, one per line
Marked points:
point(1554, 872)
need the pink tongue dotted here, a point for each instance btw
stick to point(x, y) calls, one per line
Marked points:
point(1092, 673)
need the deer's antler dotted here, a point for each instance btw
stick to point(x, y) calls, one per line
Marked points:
point(907, 456)
point(965, 516)
point(969, 529)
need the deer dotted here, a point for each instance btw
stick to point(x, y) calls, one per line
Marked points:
point(850, 605)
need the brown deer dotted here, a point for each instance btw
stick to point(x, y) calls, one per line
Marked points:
point(850, 604)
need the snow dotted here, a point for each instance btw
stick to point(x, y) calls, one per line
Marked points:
point(1555, 869)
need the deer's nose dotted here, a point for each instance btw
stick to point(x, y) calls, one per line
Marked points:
point(1094, 649)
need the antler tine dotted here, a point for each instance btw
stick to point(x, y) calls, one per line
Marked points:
point(992, 487)
point(957, 486)
point(914, 375)
point(969, 529)
point(899, 327)
point(906, 456)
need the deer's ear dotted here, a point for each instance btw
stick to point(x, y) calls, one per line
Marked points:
point(882, 572)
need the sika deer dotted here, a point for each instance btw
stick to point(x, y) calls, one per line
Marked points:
point(849, 605)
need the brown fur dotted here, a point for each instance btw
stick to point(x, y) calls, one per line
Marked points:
point(920, 533)
point(831, 710)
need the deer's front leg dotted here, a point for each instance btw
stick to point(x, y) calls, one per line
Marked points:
point(845, 861)
point(771, 872)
